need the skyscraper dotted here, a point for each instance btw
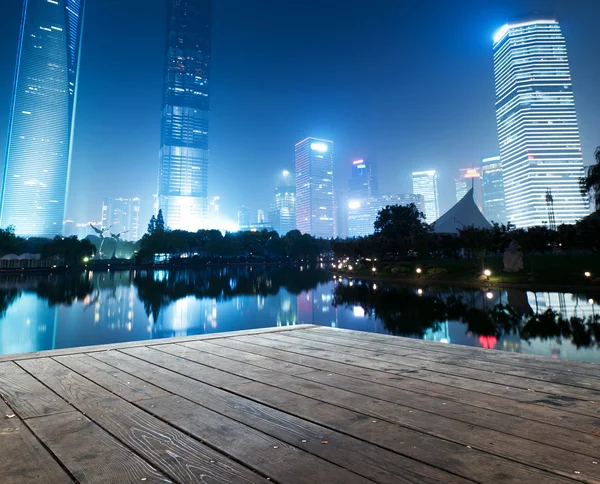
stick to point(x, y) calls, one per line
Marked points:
point(314, 187)
point(283, 210)
point(183, 173)
point(122, 215)
point(537, 124)
point(38, 154)
point(364, 181)
point(425, 183)
point(494, 208)
point(243, 216)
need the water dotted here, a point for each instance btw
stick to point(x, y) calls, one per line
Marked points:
point(62, 311)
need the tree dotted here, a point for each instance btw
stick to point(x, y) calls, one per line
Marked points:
point(152, 225)
point(400, 227)
point(160, 221)
point(590, 183)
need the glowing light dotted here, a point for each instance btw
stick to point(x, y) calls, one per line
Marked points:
point(420, 292)
point(587, 274)
point(419, 270)
point(86, 259)
point(349, 268)
point(374, 269)
point(502, 31)
point(340, 266)
point(358, 312)
point(354, 204)
point(285, 173)
point(472, 173)
point(321, 147)
point(490, 295)
point(591, 301)
point(374, 287)
point(358, 162)
point(361, 166)
point(487, 273)
point(445, 341)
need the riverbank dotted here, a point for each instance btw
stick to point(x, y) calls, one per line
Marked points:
point(542, 272)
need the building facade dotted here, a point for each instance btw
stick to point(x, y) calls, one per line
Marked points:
point(282, 214)
point(362, 213)
point(42, 116)
point(184, 155)
point(243, 218)
point(364, 181)
point(537, 124)
point(315, 212)
point(425, 183)
point(494, 207)
point(122, 215)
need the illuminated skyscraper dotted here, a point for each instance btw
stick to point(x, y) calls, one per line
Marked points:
point(314, 188)
point(243, 216)
point(537, 124)
point(38, 154)
point(469, 178)
point(494, 208)
point(183, 174)
point(122, 215)
point(364, 181)
point(425, 183)
point(283, 210)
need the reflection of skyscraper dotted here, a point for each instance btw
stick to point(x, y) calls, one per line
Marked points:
point(38, 154)
point(494, 208)
point(183, 174)
point(537, 124)
point(283, 210)
point(425, 183)
point(314, 187)
point(122, 215)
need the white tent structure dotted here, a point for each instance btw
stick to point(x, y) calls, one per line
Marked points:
point(464, 214)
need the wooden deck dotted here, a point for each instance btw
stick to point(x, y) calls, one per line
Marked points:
point(300, 405)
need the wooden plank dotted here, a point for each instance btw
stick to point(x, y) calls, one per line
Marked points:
point(135, 344)
point(545, 433)
point(553, 416)
point(462, 360)
point(89, 453)
point(126, 386)
point(180, 457)
point(269, 456)
point(24, 460)
point(569, 398)
point(424, 424)
point(27, 396)
point(519, 360)
point(358, 456)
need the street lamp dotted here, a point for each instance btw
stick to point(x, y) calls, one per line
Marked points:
point(487, 273)
point(420, 292)
point(349, 268)
point(419, 270)
point(587, 274)
point(374, 269)
point(86, 259)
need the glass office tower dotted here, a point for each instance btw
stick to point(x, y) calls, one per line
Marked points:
point(364, 181)
point(183, 173)
point(314, 188)
point(38, 154)
point(537, 124)
point(494, 207)
point(425, 183)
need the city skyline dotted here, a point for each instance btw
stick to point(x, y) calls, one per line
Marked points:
point(395, 165)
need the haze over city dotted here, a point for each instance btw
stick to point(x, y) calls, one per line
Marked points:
point(408, 84)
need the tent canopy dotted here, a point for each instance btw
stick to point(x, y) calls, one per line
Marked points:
point(464, 214)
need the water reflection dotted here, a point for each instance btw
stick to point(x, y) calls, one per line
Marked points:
point(54, 311)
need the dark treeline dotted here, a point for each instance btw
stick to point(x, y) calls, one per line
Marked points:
point(401, 232)
point(406, 313)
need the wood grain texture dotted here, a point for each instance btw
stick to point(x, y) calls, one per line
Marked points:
point(23, 459)
point(89, 453)
point(180, 457)
point(424, 427)
point(362, 458)
point(581, 401)
point(372, 372)
point(28, 396)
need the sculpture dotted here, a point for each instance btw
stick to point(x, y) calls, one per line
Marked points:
point(100, 232)
point(513, 258)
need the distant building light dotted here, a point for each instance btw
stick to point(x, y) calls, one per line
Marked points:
point(360, 167)
point(358, 162)
point(321, 147)
point(354, 204)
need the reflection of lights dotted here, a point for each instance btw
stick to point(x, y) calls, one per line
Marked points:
point(374, 286)
point(591, 301)
point(128, 326)
point(444, 340)
point(490, 295)
point(351, 283)
point(488, 342)
point(358, 312)
point(420, 292)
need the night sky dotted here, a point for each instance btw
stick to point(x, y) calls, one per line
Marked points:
point(409, 82)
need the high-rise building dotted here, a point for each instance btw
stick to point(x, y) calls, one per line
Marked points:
point(243, 216)
point(260, 216)
point(214, 215)
point(537, 124)
point(315, 211)
point(38, 154)
point(469, 178)
point(183, 173)
point(425, 183)
point(283, 209)
point(364, 181)
point(494, 208)
point(362, 212)
point(122, 215)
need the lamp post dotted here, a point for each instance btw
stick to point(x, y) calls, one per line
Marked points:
point(487, 273)
point(419, 270)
